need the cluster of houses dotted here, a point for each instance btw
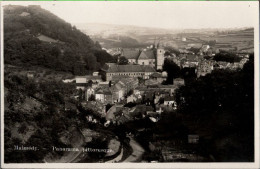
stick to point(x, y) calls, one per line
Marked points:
point(144, 90)
point(204, 66)
point(139, 83)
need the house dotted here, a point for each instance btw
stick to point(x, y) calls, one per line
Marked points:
point(159, 77)
point(192, 60)
point(159, 95)
point(116, 111)
point(193, 139)
point(152, 82)
point(153, 56)
point(113, 51)
point(132, 98)
point(140, 111)
point(104, 95)
point(176, 60)
point(129, 83)
point(204, 48)
point(68, 80)
point(170, 89)
point(140, 90)
point(147, 57)
point(164, 74)
point(95, 73)
point(103, 84)
point(169, 101)
point(118, 92)
point(158, 109)
point(124, 71)
point(148, 97)
point(205, 67)
point(47, 39)
point(188, 60)
point(221, 65)
point(94, 79)
point(81, 82)
point(98, 108)
point(89, 92)
point(178, 82)
point(131, 55)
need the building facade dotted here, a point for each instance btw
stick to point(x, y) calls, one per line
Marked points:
point(153, 56)
point(143, 71)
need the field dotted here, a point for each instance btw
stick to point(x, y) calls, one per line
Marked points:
point(239, 40)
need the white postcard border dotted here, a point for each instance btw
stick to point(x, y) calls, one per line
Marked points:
point(142, 165)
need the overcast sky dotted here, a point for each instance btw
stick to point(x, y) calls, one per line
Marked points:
point(160, 14)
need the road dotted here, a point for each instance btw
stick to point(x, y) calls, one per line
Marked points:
point(118, 158)
point(137, 151)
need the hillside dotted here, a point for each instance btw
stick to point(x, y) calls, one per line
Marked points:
point(113, 36)
point(107, 30)
point(35, 37)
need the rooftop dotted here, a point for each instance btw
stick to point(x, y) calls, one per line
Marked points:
point(130, 68)
point(169, 98)
point(148, 54)
point(156, 75)
point(90, 77)
point(130, 53)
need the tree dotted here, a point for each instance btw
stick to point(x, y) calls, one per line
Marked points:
point(123, 61)
point(91, 61)
point(92, 98)
point(172, 50)
point(223, 100)
point(23, 47)
point(172, 69)
point(98, 44)
point(194, 50)
point(108, 106)
point(227, 57)
point(23, 128)
point(212, 42)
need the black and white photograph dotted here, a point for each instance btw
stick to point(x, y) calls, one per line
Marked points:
point(158, 84)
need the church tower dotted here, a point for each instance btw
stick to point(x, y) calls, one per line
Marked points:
point(159, 56)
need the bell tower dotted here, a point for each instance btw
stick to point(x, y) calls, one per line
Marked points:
point(159, 56)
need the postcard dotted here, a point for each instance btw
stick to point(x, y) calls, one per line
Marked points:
point(112, 84)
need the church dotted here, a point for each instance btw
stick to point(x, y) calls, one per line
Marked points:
point(153, 56)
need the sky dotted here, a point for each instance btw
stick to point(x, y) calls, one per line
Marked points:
point(161, 14)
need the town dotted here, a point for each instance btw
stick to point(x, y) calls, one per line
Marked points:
point(141, 81)
point(125, 93)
